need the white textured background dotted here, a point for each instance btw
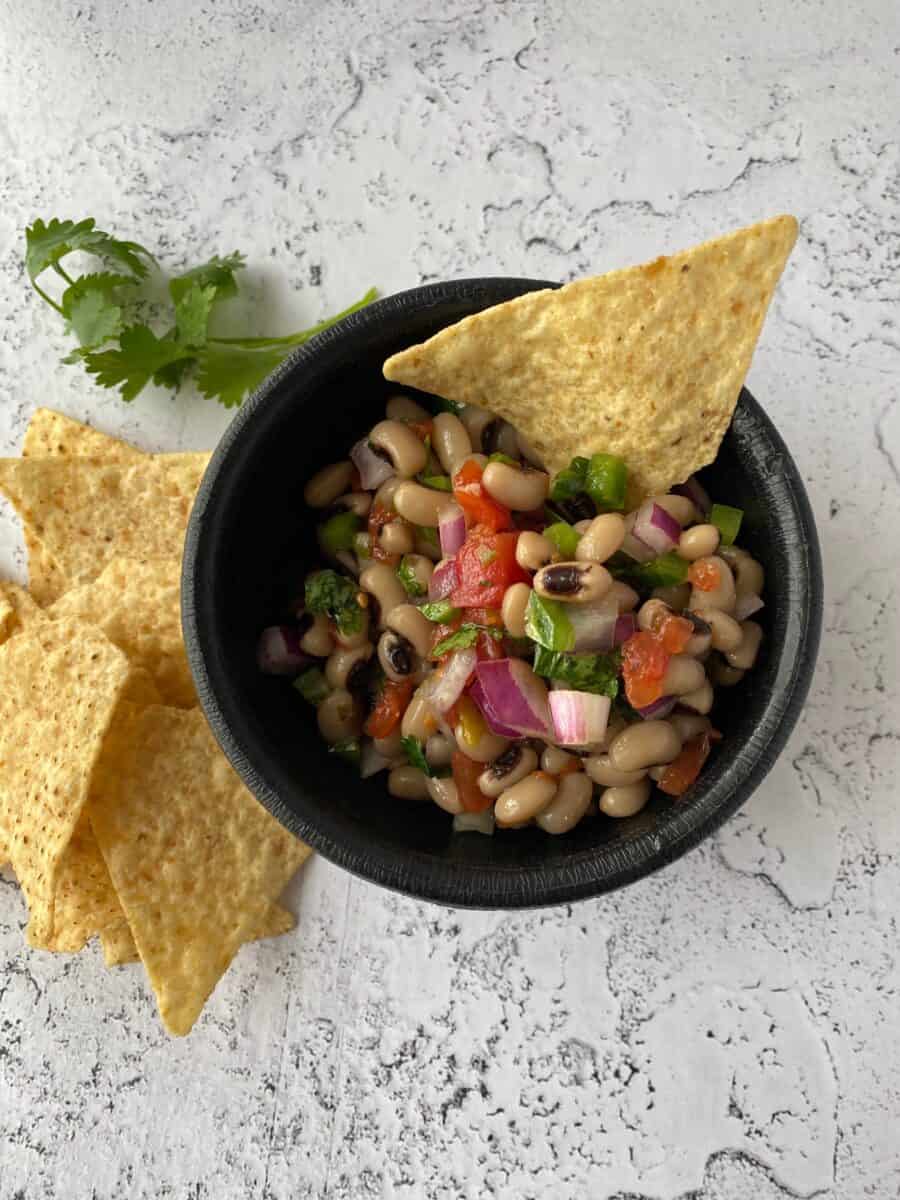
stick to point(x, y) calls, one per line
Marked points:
point(727, 1030)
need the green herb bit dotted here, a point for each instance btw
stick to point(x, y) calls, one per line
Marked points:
point(667, 570)
point(428, 535)
point(439, 483)
point(408, 578)
point(415, 756)
point(441, 612)
point(570, 480)
point(312, 686)
point(450, 406)
point(728, 522)
point(564, 537)
point(597, 673)
point(463, 638)
point(334, 596)
point(503, 458)
point(605, 482)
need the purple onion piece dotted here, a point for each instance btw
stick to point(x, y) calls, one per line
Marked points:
point(476, 691)
point(626, 627)
point(444, 580)
point(451, 529)
point(656, 528)
point(659, 708)
point(278, 651)
point(373, 468)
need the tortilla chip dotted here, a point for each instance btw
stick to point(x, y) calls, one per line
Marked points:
point(118, 944)
point(137, 604)
point(646, 363)
point(87, 511)
point(52, 435)
point(59, 688)
point(195, 859)
point(17, 610)
point(85, 901)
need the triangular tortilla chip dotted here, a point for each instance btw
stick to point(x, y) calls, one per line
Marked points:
point(137, 604)
point(53, 435)
point(195, 859)
point(88, 511)
point(18, 611)
point(646, 363)
point(119, 948)
point(60, 685)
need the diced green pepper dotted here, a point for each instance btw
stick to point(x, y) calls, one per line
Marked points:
point(339, 531)
point(667, 570)
point(728, 522)
point(548, 624)
point(439, 483)
point(312, 686)
point(605, 481)
point(564, 537)
point(569, 481)
point(502, 458)
point(362, 544)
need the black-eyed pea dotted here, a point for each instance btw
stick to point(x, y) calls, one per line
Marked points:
point(625, 801)
point(439, 750)
point(451, 441)
point(700, 541)
point(520, 489)
point(418, 720)
point(408, 783)
point(381, 581)
point(317, 639)
point(700, 700)
point(722, 596)
point(533, 550)
point(683, 674)
point(650, 614)
point(604, 536)
point(405, 450)
point(681, 508)
point(344, 663)
point(513, 764)
point(601, 771)
point(402, 408)
point(555, 761)
point(722, 673)
point(644, 744)
point(524, 800)
point(744, 655)
point(444, 793)
point(749, 576)
point(513, 609)
point(568, 806)
point(420, 505)
point(397, 537)
point(410, 622)
point(339, 717)
point(626, 597)
point(326, 485)
point(725, 632)
point(677, 596)
point(573, 582)
point(689, 725)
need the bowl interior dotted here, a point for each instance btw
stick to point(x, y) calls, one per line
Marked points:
point(252, 539)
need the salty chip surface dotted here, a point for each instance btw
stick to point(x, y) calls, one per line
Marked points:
point(645, 363)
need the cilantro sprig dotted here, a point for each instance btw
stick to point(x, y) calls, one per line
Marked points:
point(104, 311)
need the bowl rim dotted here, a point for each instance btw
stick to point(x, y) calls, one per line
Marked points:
point(450, 881)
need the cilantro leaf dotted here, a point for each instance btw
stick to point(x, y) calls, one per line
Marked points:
point(192, 314)
point(571, 480)
point(465, 636)
point(407, 577)
point(93, 316)
point(46, 244)
point(139, 356)
point(218, 273)
point(415, 756)
point(596, 673)
point(228, 372)
point(312, 686)
point(334, 596)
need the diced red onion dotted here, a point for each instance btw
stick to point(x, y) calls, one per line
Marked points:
point(476, 692)
point(452, 529)
point(633, 546)
point(745, 606)
point(579, 718)
point(594, 624)
point(626, 627)
point(444, 580)
point(278, 651)
point(370, 761)
point(659, 708)
point(373, 469)
point(656, 528)
point(515, 695)
point(445, 685)
point(695, 492)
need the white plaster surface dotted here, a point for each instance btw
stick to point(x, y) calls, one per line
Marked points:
point(726, 1030)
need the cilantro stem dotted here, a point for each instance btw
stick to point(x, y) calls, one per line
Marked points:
point(47, 299)
point(296, 339)
point(61, 271)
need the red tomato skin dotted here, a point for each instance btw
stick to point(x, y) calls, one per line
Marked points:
point(465, 776)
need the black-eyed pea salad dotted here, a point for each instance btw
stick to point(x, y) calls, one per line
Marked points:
point(517, 648)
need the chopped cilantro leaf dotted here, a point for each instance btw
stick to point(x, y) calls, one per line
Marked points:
point(334, 596)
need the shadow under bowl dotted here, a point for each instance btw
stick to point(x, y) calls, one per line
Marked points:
point(251, 539)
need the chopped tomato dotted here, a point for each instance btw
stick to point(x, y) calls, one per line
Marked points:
point(486, 565)
point(465, 776)
point(475, 502)
point(705, 576)
point(491, 617)
point(680, 774)
point(488, 648)
point(644, 662)
point(422, 429)
point(379, 516)
point(389, 708)
point(674, 633)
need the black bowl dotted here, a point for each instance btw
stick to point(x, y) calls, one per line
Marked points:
point(249, 539)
